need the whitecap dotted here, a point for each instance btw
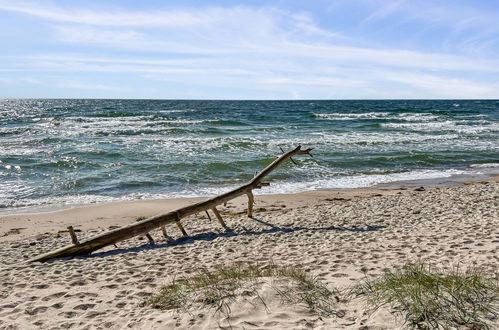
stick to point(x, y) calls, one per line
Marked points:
point(351, 116)
point(485, 165)
point(448, 125)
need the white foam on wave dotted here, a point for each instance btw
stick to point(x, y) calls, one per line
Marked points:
point(351, 116)
point(10, 151)
point(206, 145)
point(24, 205)
point(177, 111)
point(448, 125)
point(326, 182)
point(406, 116)
point(329, 180)
point(202, 145)
point(76, 126)
point(358, 181)
point(485, 165)
point(417, 117)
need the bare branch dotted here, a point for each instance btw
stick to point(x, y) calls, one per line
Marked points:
point(143, 227)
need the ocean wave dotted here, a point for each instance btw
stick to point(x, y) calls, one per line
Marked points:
point(417, 117)
point(485, 165)
point(373, 138)
point(208, 145)
point(177, 111)
point(222, 122)
point(97, 147)
point(116, 114)
point(16, 150)
point(14, 131)
point(358, 181)
point(111, 126)
point(54, 203)
point(449, 125)
point(406, 116)
point(113, 121)
point(352, 116)
point(277, 187)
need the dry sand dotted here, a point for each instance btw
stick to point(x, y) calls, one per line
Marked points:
point(340, 236)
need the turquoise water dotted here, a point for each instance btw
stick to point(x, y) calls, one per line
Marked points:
point(65, 152)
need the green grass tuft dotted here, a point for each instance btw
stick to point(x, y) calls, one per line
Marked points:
point(220, 288)
point(431, 298)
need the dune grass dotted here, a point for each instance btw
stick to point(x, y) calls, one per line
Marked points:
point(220, 288)
point(431, 298)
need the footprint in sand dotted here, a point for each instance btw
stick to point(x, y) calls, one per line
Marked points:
point(93, 314)
point(68, 325)
point(36, 310)
point(84, 307)
point(339, 275)
point(38, 323)
point(142, 294)
point(82, 295)
point(54, 295)
point(78, 283)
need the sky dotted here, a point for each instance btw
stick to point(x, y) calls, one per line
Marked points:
point(282, 49)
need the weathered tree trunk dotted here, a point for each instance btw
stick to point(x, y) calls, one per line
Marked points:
point(143, 227)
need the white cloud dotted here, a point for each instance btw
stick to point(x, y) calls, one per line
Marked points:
point(469, 27)
point(453, 14)
point(117, 18)
point(20, 81)
point(385, 9)
point(306, 24)
point(252, 32)
point(445, 86)
point(78, 84)
point(75, 34)
point(274, 46)
point(244, 47)
point(314, 80)
point(60, 82)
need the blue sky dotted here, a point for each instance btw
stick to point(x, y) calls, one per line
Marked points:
point(316, 49)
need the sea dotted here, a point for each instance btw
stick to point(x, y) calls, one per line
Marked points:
point(57, 153)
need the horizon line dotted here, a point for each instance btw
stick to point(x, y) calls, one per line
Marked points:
point(215, 99)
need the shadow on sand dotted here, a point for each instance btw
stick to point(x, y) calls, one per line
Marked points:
point(210, 236)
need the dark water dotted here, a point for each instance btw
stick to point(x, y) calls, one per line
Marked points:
point(62, 152)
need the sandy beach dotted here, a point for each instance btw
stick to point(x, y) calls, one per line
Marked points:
point(249, 165)
point(340, 236)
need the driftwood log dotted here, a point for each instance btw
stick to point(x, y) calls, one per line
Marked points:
point(159, 221)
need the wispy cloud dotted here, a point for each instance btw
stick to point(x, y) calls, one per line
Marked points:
point(171, 18)
point(384, 9)
point(90, 85)
point(247, 47)
point(447, 87)
point(470, 27)
point(61, 82)
point(456, 14)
